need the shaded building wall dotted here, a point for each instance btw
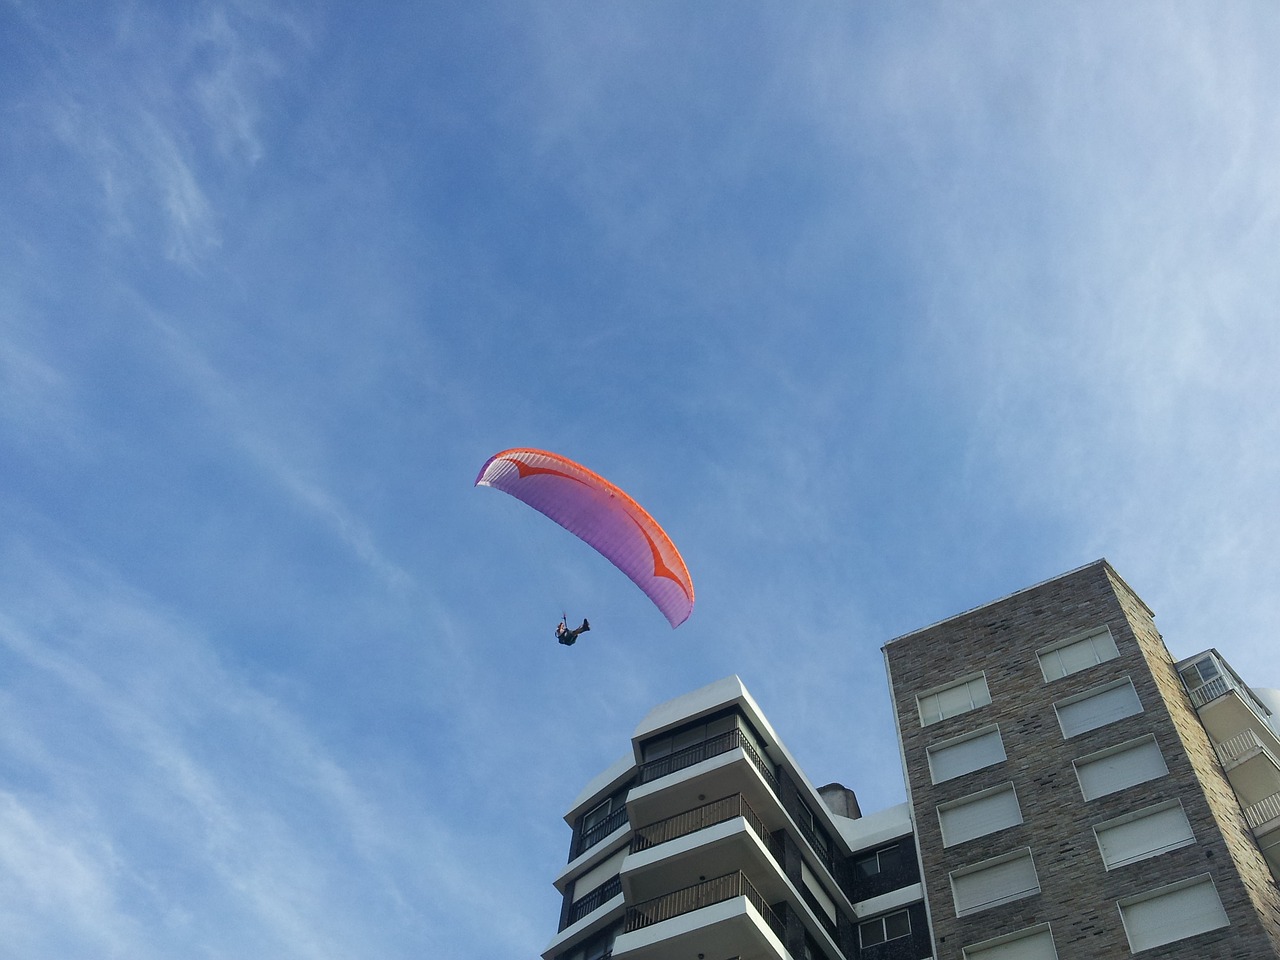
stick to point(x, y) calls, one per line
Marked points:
point(1204, 775)
point(1078, 895)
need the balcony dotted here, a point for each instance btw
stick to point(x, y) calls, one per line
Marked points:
point(1261, 814)
point(700, 818)
point(1251, 766)
point(723, 766)
point(599, 831)
point(1264, 820)
point(696, 897)
point(726, 915)
point(722, 743)
point(1225, 705)
point(594, 900)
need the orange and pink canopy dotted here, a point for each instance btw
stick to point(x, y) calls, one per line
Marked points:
point(596, 511)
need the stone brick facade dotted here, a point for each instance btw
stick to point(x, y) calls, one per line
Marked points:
point(1078, 895)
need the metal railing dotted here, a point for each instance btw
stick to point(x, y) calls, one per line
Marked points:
point(601, 830)
point(711, 747)
point(595, 899)
point(1233, 748)
point(1263, 811)
point(700, 818)
point(700, 895)
point(1215, 688)
point(1223, 684)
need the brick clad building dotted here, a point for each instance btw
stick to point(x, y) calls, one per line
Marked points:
point(1072, 683)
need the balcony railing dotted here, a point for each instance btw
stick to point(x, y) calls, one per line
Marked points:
point(1215, 688)
point(1263, 811)
point(699, 818)
point(1223, 684)
point(1233, 748)
point(696, 897)
point(594, 900)
point(601, 830)
point(722, 743)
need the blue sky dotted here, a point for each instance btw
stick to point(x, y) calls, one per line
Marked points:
point(884, 312)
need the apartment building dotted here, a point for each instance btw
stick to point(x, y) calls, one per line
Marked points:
point(707, 840)
point(1072, 793)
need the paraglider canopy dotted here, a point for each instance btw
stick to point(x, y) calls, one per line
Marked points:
point(596, 511)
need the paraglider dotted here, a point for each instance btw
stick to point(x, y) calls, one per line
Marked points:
point(570, 637)
point(602, 515)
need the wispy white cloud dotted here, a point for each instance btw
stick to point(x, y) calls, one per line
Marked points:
point(171, 792)
point(142, 108)
point(261, 439)
point(1094, 228)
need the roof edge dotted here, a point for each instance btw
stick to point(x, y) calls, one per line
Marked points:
point(1101, 561)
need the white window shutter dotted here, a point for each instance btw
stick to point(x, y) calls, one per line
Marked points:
point(989, 885)
point(955, 758)
point(979, 814)
point(1098, 709)
point(1081, 654)
point(1134, 762)
point(1173, 913)
point(1147, 834)
point(1031, 945)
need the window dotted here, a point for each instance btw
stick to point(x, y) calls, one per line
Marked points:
point(993, 882)
point(881, 929)
point(817, 891)
point(955, 698)
point(881, 861)
point(1199, 673)
point(598, 874)
point(956, 757)
point(597, 815)
point(979, 814)
point(811, 950)
point(812, 828)
point(1144, 834)
point(598, 947)
point(1097, 708)
point(1173, 912)
point(690, 736)
point(1119, 767)
point(1073, 656)
point(1035, 943)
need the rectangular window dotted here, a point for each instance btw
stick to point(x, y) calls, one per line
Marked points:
point(1174, 912)
point(597, 815)
point(993, 882)
point(891, 926)
point(979, 814)
point(1119, 767)
point(692, 735)
point(960, 755)
point(1035, 943)
point(882, 861)
point(1200, 673)
point(1063, 659)
point(955, 698)
point(1147, 833)
point(1097, 708)
point(814, 886)
point(597, 947)
point(606, 870)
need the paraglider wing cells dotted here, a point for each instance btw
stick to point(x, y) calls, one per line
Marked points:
point(601, 514)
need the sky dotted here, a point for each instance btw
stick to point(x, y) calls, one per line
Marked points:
point(884, 311)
